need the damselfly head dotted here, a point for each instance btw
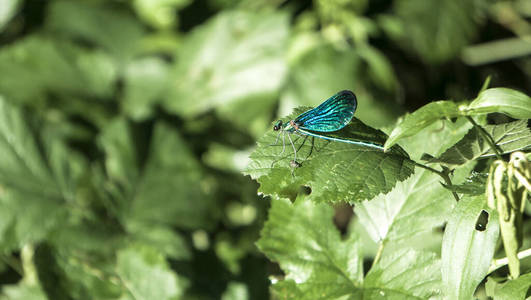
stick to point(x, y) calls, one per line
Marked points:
point(278, 125)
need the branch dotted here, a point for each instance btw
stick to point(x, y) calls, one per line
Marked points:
point(444, 176)
point(498, 263)
point(487, 137)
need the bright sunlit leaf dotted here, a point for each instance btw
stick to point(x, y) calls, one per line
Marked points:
point(508, 137)
point(466, 251)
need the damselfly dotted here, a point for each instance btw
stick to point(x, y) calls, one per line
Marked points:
point(332, 115)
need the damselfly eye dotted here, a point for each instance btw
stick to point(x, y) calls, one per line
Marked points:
point(278, 125)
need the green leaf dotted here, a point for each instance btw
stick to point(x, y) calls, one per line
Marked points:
point(508, 137)
point(507, 101)
point(159, 13)
point(230, 60)
point(437, 30)
point(235, 291)
point(146, 275)
point(419, 204)
point(36, 180)
point(413, 207)
point(501, 100)
point(82, 276)
point(510, 102)
point(85, 268)
point(109, 27)
point(120, 155)
point(475, 184)
point(89, 237)
point(404, 274)
point(223, 157)
point(302, 238)
point(328, 171)
point(510, 290)
point(29, 219)
point(164, 238)
point(420, 119)
point(436, 138)
point(231, 252)
point(380, 68)
point(23, 291)
point(146, 81)
point(466, 251)
point(168, 189)
point(8, 9)
point(39, 65)
point(21, 162)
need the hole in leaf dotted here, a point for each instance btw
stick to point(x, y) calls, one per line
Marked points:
point(482, 220)
point(306, 190)
point(343, 214)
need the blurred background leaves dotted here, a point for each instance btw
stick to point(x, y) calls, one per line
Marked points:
point(124, 126)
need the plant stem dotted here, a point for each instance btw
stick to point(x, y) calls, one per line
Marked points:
point(487, 137)
point(498, 263)
point(378, 254)
point(28, 264)
point(521, 178)
point(443, 175)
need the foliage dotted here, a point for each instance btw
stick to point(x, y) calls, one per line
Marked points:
point(419, 204)
point(125, 127)
point(334, 185)
point(462, 268)
point(508, 137)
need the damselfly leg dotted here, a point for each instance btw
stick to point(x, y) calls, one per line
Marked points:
point(283, 143)
point(282, 131)
point(292, 142)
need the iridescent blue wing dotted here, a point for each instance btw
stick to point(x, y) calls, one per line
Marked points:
point(332, 115)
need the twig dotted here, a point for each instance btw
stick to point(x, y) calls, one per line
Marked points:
point(444, 176)
point(498, 263)
point(487, 137)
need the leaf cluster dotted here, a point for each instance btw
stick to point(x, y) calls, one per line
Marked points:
point(125, 127)
point(408, 204)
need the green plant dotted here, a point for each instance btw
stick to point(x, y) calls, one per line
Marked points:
point(125, 126)
point(456, 162)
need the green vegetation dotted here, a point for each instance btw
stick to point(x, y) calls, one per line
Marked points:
point(126, 126)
